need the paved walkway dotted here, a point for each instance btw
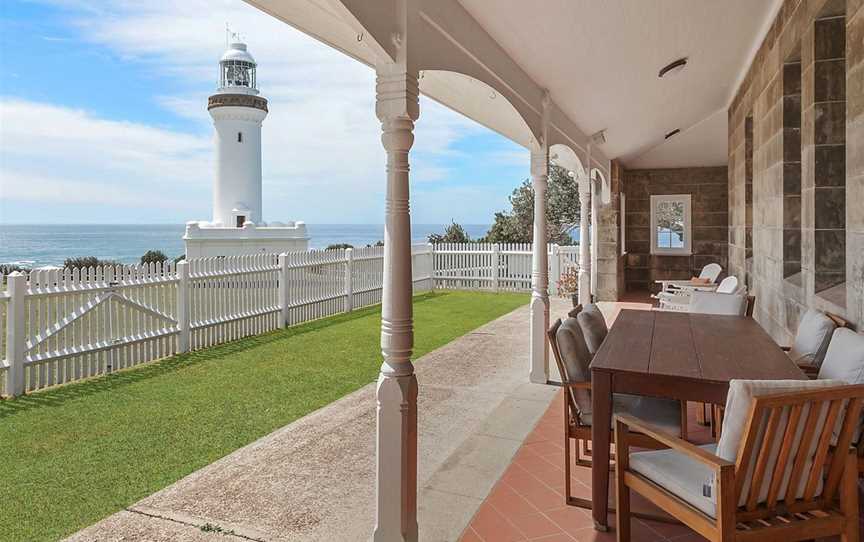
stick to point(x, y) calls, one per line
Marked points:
point(314, 479)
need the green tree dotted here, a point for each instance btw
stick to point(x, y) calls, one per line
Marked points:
point(562, 212)
point(337, 246)
point(154, 256)
point(454, 233)
point(82, 262)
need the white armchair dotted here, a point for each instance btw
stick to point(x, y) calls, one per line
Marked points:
point(682, 301)
point(708, 274)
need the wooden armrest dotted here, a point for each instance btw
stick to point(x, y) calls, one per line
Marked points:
point(577, 385)
point(838, 321)
point(810, 370)
point(673, 442)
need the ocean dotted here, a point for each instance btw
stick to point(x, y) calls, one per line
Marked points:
point(38, 245)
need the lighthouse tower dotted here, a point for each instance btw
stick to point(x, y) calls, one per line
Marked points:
point(237, 227)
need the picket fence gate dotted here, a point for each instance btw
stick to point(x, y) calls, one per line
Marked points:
point(62, 325)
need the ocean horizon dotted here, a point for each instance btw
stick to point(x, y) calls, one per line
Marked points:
point(35, 245)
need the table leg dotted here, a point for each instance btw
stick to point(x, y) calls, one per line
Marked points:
point(601, 397)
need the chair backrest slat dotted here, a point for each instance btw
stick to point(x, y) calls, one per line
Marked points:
point(784, 455)
point(813, 413)
point(745, 452)
point(853, 413)
point(822, 449)
point(763, 458)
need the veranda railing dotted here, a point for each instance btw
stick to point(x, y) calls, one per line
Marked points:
point(62, 325)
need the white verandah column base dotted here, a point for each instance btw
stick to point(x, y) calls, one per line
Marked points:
point(397, 451)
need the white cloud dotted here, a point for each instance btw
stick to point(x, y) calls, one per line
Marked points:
point(322, 155)
point(56, 154)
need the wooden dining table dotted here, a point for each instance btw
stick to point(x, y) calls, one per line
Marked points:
point(683, 356)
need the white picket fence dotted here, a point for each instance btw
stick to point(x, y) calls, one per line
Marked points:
point(497, 267)
point(63, 325)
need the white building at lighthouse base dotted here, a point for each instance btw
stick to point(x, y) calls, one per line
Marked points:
point(204, 240)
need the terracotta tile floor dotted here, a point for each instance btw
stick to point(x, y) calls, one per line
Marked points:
point(527, 503)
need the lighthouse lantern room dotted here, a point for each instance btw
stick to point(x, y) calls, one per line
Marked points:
point(237, 227)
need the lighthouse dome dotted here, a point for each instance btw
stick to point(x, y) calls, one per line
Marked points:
point(237, 70)
point(237, 51)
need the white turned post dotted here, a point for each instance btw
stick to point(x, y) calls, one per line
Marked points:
point(431, 265)
point(555, 270)
point(16, 288)
point(183, 306)
point(496, 255)
point(397, 107)
point(283, 290)
point(584, 240)
point(539, 349)
point(349, 280)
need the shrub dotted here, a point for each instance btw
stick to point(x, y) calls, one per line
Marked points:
point(337, 246)
point(154, 256)
point(88, 261)
point(454, 233)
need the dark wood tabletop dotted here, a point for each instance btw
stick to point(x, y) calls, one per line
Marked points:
point(689, 357)
point(701, 347)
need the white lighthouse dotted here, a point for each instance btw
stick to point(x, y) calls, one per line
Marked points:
point(237, 227)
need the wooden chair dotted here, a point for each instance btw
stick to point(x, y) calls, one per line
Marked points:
point(783, 486)
point(577, 428)
point(681, 301)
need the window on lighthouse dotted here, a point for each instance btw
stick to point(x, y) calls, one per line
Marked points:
point(240, 220)
point(239, 137)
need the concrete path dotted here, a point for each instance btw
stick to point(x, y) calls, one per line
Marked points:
point(314, 480)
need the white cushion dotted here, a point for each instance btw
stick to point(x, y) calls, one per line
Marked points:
point(844, 359)
point(679, 474)
point(714, 303)
point(593, 326)
point(812, 338)
point(738, 404)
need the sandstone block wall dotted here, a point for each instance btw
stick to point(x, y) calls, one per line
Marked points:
point(708, 188)
point(807, 247)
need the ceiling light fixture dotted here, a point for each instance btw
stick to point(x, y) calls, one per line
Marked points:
point(599, 138)
point(673, 67)
point(672, 133)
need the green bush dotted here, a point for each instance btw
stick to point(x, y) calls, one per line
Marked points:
point(82, 262)
point(337, 246)
point(154, 256)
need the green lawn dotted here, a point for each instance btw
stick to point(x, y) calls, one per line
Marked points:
point(74, 455)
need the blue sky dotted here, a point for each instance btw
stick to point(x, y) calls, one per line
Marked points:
point(103, 120)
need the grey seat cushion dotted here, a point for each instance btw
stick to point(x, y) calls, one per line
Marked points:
point(593, 326)
point(576, 360)
point(680, 475)
point(812, 339)
point(665, 414)
point(574, 351)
